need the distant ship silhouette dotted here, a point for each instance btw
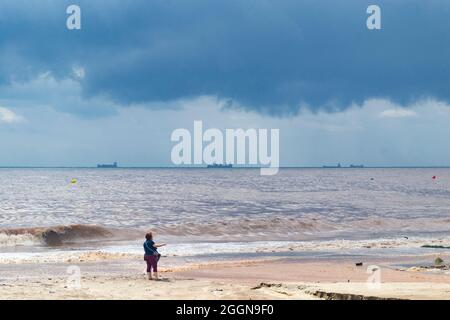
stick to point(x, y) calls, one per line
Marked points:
point(338, 166)
point(107, 166)
point(219, 166)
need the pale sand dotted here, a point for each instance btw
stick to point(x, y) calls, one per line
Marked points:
point(282, 279)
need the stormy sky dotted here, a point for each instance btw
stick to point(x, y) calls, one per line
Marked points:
point(138, 69)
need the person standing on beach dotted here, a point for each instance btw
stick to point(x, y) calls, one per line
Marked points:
point(151, 255)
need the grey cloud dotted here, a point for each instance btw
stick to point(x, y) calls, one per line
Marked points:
point(267, 56)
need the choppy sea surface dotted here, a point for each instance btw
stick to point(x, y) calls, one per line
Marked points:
point(222, 211)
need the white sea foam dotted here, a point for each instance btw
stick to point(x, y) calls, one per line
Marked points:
point(208, 250)
point(13, 240)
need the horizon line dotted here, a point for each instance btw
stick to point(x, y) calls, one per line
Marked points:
point(234, 167)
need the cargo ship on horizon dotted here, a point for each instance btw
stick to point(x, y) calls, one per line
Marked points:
point(332, 167)
point(338, 166)
point(219, 166)
point(107, 166)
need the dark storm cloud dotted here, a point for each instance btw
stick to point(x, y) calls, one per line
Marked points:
point(268, 56)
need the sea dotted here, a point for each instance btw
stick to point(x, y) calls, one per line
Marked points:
point(222, 213)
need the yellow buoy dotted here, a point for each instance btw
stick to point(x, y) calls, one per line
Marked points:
point(73, 181)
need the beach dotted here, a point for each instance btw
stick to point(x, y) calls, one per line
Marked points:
point(337, 279)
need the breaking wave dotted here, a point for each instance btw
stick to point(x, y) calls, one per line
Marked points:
point(291, 228)
point(228, 230)
point(52, 236)
point(246, 228)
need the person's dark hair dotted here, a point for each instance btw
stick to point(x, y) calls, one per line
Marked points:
point(149, 236)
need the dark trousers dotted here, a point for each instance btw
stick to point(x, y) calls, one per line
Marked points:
point(152, 263)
